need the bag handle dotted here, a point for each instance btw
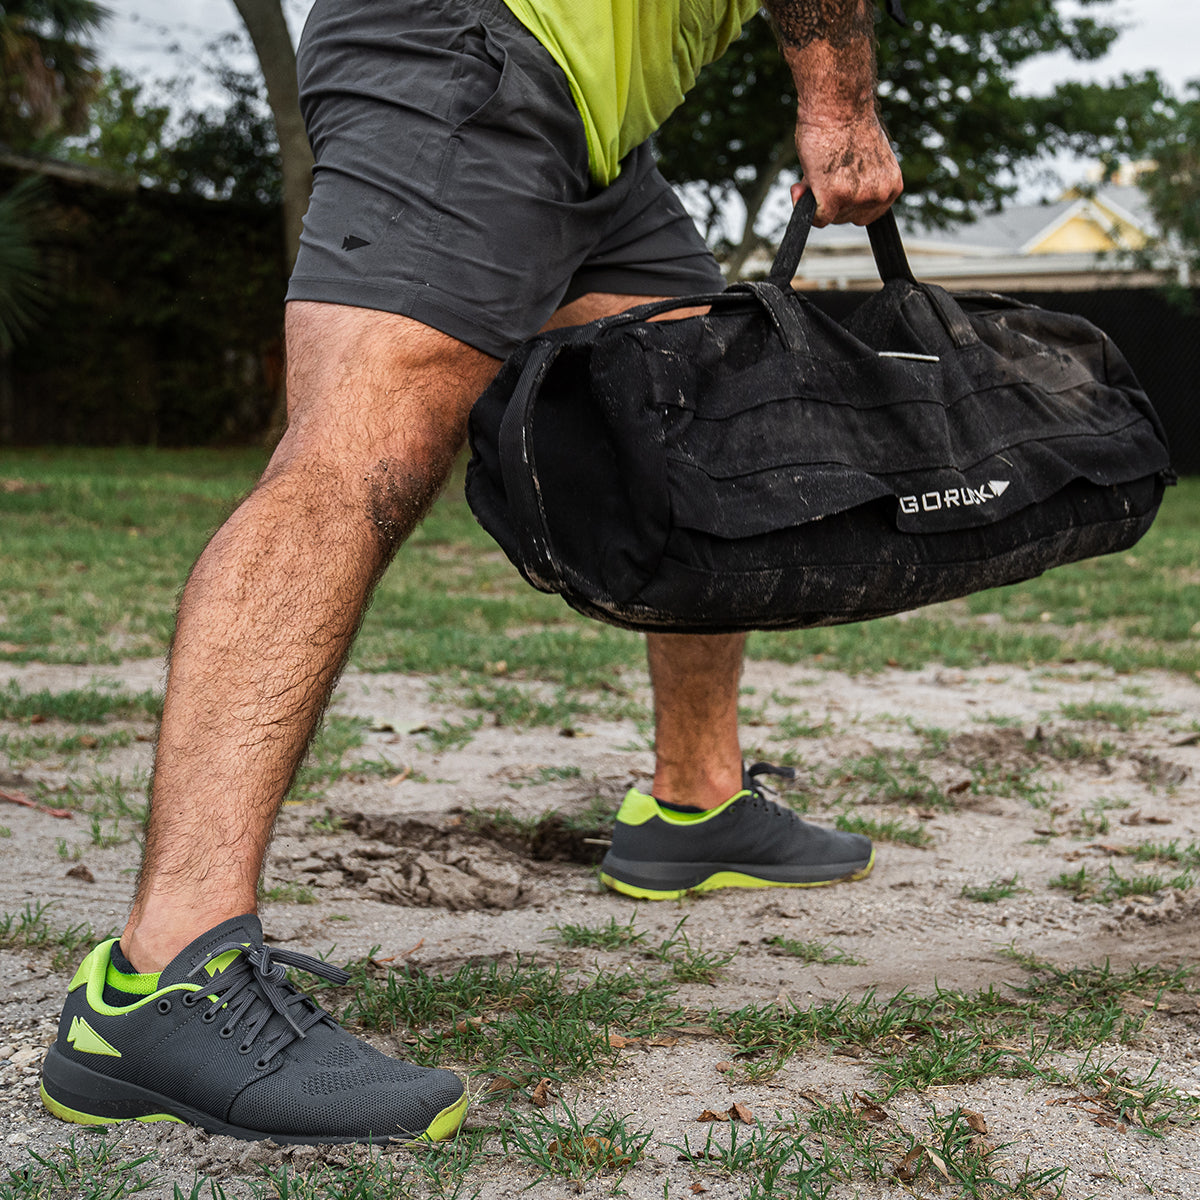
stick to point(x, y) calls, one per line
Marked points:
point(519, 471)
point(886, 246)
point(890, 261)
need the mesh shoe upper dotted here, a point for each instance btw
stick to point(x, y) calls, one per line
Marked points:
point(226, 1036)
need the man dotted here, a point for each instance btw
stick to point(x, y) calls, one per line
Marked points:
point(481, 173)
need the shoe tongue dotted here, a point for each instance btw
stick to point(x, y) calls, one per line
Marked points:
point(243, 929)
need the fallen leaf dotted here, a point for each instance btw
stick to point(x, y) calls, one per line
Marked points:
point(617, 1042)
point(397, 779)
point(957, 789)
point(938, 1162)
point(88, 742)
point(541, 1095)
point(870, 1111)
point(505, 1083)
point(903, 1170)
point(739, 1112)
point(663, 1041)
point(698, 1189)
point(709, 1115)
point(79, 871)
point(724, 1067)
point(975, 1121)
point(595, 1150)
point(466, 1024)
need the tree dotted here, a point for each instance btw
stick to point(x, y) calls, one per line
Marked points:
point(1172, 185)
point(225, 152)
point(267, 26)
point(47, 67)
point(947, 95)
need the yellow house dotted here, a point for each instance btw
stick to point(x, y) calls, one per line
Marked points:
point(1078, 242)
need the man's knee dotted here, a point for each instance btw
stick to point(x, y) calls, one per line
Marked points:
point(377, 412)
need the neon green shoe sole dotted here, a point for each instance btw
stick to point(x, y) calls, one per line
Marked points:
point(726, 879)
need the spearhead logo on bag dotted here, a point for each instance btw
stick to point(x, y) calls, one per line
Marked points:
point(954, 497)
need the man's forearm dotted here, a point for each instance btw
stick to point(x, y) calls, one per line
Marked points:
point(830, 47)
point(799, 23)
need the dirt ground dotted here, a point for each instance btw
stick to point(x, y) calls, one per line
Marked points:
point(408, 875)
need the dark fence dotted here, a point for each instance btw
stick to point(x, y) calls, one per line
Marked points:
point(163, 321)
point(1157, 333)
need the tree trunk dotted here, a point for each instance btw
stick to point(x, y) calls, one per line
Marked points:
point(265, 22)
point(754, 201)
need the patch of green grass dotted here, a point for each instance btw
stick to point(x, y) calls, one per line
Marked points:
point(690, 963)
point(996, 889)
point(790, 728)
point(888, 777)
point(287, 893)
point(544, 775)
point(103, 795)
point(813, 952)
point(1114, 886)
point(1067, 747)
point(770, 1158)
point(877, 830)
point(559, 1144)
point(30, 930)
point(94, 1170)
point(1120, 716)
point(77, 706)
point(1010, 782)
point(450, 735)
point(1168, 852)
point(600, 937)
point(21, 750)
point(521, 1019)
point(325, 763)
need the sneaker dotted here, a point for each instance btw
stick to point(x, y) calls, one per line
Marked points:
point(660, 853)
point(222, 1039)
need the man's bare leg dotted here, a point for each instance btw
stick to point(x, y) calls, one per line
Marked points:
point(698, 757)
point(377, 411)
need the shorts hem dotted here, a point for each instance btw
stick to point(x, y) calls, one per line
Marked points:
point(617, 281)
point(416, 301)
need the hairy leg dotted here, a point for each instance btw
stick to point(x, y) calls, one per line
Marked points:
point(698, 758)
point(376, 413)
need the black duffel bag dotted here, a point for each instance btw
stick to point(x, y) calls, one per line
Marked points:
point(763, 466)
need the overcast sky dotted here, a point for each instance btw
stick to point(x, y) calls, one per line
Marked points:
point(1163, 34)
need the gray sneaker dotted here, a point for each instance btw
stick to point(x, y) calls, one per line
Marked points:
point(222, 1039)
point(749, 841)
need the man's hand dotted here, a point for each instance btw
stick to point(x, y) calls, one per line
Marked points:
point(849, 168)
point(844, 152)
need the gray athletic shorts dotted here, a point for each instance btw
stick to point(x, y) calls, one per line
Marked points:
point(451, 181)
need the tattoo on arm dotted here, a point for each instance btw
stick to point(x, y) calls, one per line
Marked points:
point(799, 23)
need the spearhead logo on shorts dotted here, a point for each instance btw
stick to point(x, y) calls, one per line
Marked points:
point(954, 497)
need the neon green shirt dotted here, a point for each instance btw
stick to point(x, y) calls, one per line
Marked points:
point(630, 62)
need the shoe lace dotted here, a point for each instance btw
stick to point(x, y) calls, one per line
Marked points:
point(255, 985)
point(758, 791)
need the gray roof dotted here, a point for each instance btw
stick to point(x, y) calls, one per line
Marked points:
point(1004, 232)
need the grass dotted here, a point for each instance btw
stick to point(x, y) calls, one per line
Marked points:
point(30, 929)
point(996, 889)
point(534, 1028)
point(813, 952)
point(97, 543)
point(95, 548)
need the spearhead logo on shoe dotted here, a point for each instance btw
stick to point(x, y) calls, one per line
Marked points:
point(87, 1041)
point(954, 497)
